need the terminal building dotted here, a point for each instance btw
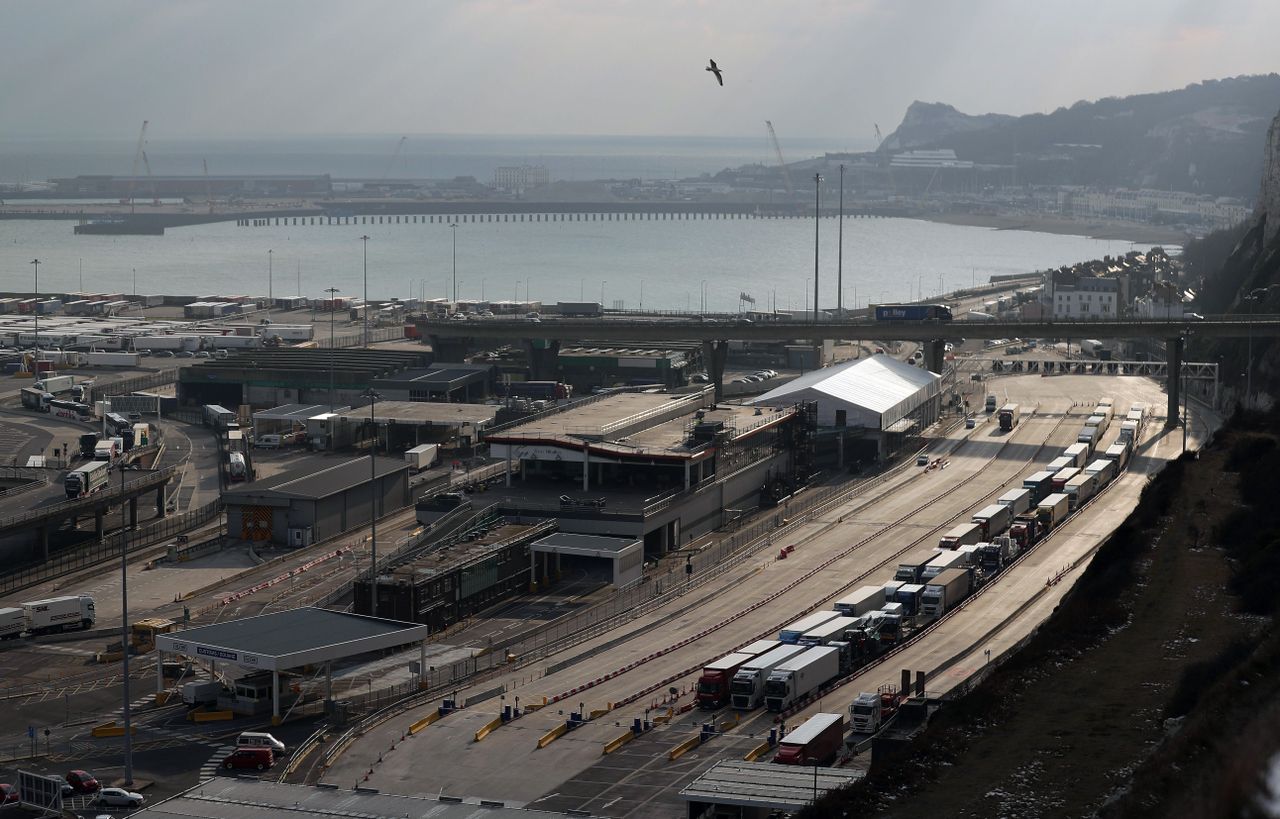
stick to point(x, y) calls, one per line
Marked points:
point(867, 408)
point(663, 469)
point(400, 425)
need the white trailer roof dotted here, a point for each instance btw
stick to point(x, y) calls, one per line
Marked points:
point(875, 392)
point(813, 726)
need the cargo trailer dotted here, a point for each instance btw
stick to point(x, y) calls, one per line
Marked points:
point(800, 676)
point(792, 633)
point(1008, 417)
point(713, 685)
point(1119, 453)
point(1061, 477)
point(1018, 500)
point(1105, 470)
point(959, 535)
point(747, 689)
point(816, 742)
point(945, 592)
point(860, 601)
point(909, 597)
point(829, 632)
point(993, 519)
point(1052, 510)
point(909, 570)
point(945, 560)
point(1080, 489)
point(59, 614)
point(1078, 453)
point(13, 622)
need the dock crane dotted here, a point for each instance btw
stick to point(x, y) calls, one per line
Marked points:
point(394, 155)
point(137, 157)
point(146, 163)
point(782, 163)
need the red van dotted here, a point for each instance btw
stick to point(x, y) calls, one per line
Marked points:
point(253, 759)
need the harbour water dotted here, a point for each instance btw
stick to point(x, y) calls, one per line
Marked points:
point(650, 264)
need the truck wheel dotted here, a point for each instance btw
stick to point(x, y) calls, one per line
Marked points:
point(227, 765)
point(261, 767)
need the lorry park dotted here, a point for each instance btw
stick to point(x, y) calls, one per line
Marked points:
point(779, 655)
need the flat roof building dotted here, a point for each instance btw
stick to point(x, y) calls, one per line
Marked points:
point(439, 382)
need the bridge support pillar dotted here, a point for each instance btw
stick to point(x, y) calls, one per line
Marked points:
point(448, 349)
point(97, 523)
point(1173, 381)
point(42, 540)
point(160, 501)
point(714, 354)
point(133, 512)
point(543, 356)
point(935, 355)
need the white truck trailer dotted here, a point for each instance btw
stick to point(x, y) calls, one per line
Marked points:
point(422, 456)
point(945, 592)
point(59, 614)
point(792, 633)
point(860, 601)
point(12, 623)
point(747, 689)
point(800, 676)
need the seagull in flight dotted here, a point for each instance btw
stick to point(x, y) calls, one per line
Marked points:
point(715, 69)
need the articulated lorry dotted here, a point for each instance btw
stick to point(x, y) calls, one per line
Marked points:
point(1080, 488)
point(909, 570)
point(829, 632)
point(869, 710)
point(1105, 470)
point(713, 685)
point(800, 676)
point(909, 597)
point(993, 519)
point(1026, 530)
point(960, 535)
point(1119, 454)
point(747, 689)
point(816, 742)
point(860, 601)
point(944, 592)
point(1078, 453)
point(944, 560)
point(12, 623)
point(792, 633)
point(1040, 484)
point(1052, 510)
point(1008, 417)
point(59, 614)
point(86, 479)
point(56, 384)
point(1018, 500)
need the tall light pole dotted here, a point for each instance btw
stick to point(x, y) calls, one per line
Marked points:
point(271, 295)
point(332, 291)
point(373, 505)
point(702, 296)
point(135, 281)
point(817, 214)
point(840, 252)
point(124, 633)
point(602, 284)
point(35, 353)
point(365, 311)
point(453, 227)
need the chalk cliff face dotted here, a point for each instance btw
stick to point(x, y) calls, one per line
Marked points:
point(1269, 200)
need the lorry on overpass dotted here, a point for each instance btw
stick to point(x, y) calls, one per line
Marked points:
point(800, 676)
point(747, 689)
point(944, 592)
point(59, 614)
point(717, 676)
point(86, 479)
point(912, 312)
point(816, 742)
point(860, 601)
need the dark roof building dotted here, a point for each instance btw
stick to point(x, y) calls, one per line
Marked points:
point(461, 383)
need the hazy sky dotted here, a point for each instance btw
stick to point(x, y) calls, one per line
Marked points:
point(832, 69)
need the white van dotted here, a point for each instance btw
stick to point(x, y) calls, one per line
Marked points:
point(253, 739)
point(267, 441)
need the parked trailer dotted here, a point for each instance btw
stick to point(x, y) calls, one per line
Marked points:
point(747, 689)
point(960, 535)
point(1018, 500)
point(1052, 510)
point(102, 359)
point(909, 597)
point(1061, 477)
point(1060, 463)
point(1008, 417)
point(201, 692)
point(860, 601)
point(912, 312)
point(1080, 489)
point(891, 590)
point(1128, 432)
point(56, 384)
point(422, 456)
point(1105, 470)
point(829, 632)
point(217, 417)
point(815, 742)
point(1100, 422)
point(800, 676)
point(792, 633)
point(909, 570)
point(1040, 484)
point(1119, 453)
point(945, 560)
point(59, 614)
point(1078, 453)
point(1089, 437)
point(86, 479)
point(236, 468)
point(717, 676)
point(945, 592)
point(13, 622)
point(993, 519)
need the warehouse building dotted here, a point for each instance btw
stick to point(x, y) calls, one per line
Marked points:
point(318, 499)
point(867, 408)
point(403, 425)
point(463, 383)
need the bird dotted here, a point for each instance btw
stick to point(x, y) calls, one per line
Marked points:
point(715, 69)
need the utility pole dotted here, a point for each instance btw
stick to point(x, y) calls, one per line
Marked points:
point(271, 298)
point(35, 353)
point(453, 226)
point(840, 252)
point(332, 291)
point(365, 311)
point(373, 505)
point(124, 634)
point(817, 214)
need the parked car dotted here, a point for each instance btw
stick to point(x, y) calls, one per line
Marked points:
point(82, 782)
point(203, 354)
point(922, 460)
point(120, 798)
point(8, 795)
point(186, 354)
point(970, 423)
point(253, 759)
point(165, 354)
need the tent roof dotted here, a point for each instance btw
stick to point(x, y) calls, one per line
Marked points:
point(878, 383)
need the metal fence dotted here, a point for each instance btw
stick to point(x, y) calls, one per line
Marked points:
point(109, 547)
point(355, 339)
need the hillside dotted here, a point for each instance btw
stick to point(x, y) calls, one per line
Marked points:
point(1205, 138)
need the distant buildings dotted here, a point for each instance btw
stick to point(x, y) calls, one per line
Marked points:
point(1172, 207)
point(1137, 284)
point(147, 187)
point(518, 178)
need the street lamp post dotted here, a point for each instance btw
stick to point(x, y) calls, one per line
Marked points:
point(124, 633)
point(271, 297)
point(602, 284)
point(135, 281)
point(840, 252)
point(365, 311)
point(373, 505)
point(35, 352)
point(332, 291)
point(817, 220)
point(702, 296)
point(453, 227)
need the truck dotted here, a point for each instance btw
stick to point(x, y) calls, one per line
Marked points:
point(1040, 484)
point(1089, 437)
point(1008, 417)
point(236, 468)
point(1104, 469)
point(870, 710)
point(88, 442)
point(909, 570)
point(891, 590)
point(1101, 422)
point(1061, 462)
point(1106, 409)
point(86, 479)
point(1128, 432)
point(747, 689)
point(421, 457)
point(1052, 510)
point(945, 560)
point(1061, 477)
point(1080, 489)
point(13, 622)
point(104, 359)
point(107, 450)
point(945, 592)
point(800, 676)
point(792, 633)
point(1091, 346)
point(959, 535)
point(909, 597)
point(1018, 500)
point(994, 556)
point(993, 519)
point(1026, 530)
point(912, 312)
point(56, 384)
point(217, 417)
point(829, 632)
point(713, 685)
point(34, 399)
point(201, 692)
point(860, 601)
point(815, 742)
point(1078, 453)
point(59, 614)
point(991, 404)
point(588, 309)
point(1119, 453)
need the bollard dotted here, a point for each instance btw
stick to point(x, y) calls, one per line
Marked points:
point(506, 713)
point(773, 736)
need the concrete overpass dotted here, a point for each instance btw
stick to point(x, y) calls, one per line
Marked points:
point(541, 339)
point(41, 519)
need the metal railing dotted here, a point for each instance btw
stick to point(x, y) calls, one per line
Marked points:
point(128, 385)
point(115, 491)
